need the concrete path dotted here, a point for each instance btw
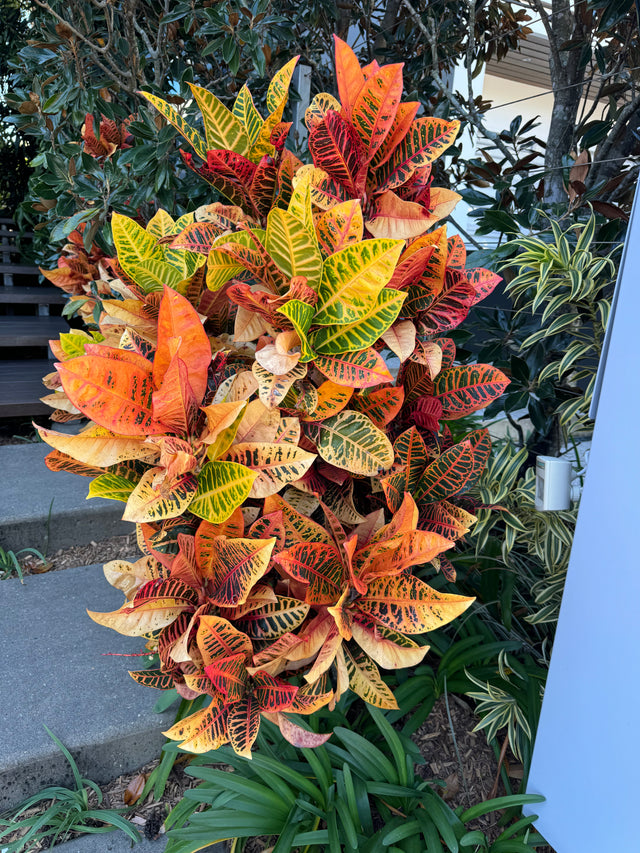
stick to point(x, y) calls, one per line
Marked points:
point(28, 487)
point(117, 842)
point(54, 672)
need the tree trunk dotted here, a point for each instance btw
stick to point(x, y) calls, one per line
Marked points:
point(567, 73)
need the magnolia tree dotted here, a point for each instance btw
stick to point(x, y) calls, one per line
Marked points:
point(269, 394)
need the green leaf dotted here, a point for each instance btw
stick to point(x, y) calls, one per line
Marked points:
point(111, 486)
point(222, 488)
point(353, 277)
point(294, 248)
point(362, 333)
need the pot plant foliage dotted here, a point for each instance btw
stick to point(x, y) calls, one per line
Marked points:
point(268, 386)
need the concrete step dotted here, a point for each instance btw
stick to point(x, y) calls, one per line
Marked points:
point(111, 842)
point(56, 670)
point(28, 487)
point(117, 842)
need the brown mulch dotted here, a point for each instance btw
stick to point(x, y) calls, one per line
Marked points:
point(470, 772)
point(115, 548)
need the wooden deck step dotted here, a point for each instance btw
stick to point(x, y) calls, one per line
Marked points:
point(31, 296)
point(21, 387)
point(18, 269)
point(30, 331)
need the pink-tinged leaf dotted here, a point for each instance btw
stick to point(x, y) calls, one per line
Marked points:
point(451, 306)
point(336, 149)
point(483, 281)
point(389, 649)
point(401, 338)
point(448, 347)
point(411, 267)
point(375, 107)
point(272, 693)
point(180, 331)
point(398, 219)
point(456, 253)
point(317, 565)
point(298, 736)
point(362, 369)
point(263, 185)
point(349, 75)
point(199, 237)
point(467, 388)
point(175, 404)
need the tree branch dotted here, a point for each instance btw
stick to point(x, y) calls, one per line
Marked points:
point(470, 115)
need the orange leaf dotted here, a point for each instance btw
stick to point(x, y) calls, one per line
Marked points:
point(115, 393)
point(375, 107)
point(180, 330)
point(408, 605)
point(362, 369)
point(349, 75)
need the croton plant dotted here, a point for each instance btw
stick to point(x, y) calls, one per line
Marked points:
point(269, 392)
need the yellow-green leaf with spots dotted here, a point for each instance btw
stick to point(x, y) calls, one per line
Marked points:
point(278, 90)
point(111, 486)
point(350, 441)
point(365, 680)
point(352, 279)
point(221, 128)
point(293, 247)
point(222, 488)
point(274, 465)
point(184, 128)
point(161, 224)
point(133, 244)
point(245, 111)
point(152, 275)
point(168, 499)
point(277, 95)
point(300, 203)
point(363, 333)
point(300, 314)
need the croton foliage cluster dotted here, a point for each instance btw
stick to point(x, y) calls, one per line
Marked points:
point(268, 391)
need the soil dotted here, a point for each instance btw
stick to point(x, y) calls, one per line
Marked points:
point(115, 548)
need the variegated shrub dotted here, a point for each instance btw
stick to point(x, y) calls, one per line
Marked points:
point(268, 391)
